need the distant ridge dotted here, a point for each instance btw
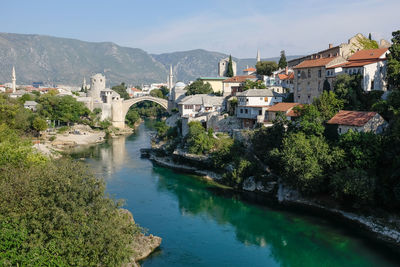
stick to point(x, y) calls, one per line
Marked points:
point(55, 60)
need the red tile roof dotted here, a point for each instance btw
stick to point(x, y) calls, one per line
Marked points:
point(368, 54)
point(135, 89)
point(284, 106)
point(311, 63)
point(239, 79)
point(352, 118)
point(250, 69)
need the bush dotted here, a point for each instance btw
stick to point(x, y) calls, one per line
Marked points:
point(198, 141)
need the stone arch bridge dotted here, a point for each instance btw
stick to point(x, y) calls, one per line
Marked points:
point(121, 108)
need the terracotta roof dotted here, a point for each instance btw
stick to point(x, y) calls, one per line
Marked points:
point(319, 62)
point(239, 79)
point(352, 118)
point(284, 106)
point(282, 76)
point(135, 89)
point(360, 63)
point(368, 54)
point(250, 69)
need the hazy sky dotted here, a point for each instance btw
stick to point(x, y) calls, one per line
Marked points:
point(228, 26)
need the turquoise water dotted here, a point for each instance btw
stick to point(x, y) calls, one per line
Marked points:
point(202, 225)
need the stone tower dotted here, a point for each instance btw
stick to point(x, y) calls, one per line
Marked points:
point(97, 84)
point(84, 83)
point(170, 78)
point(258, 55)
point(223, 67)
point(13, 80)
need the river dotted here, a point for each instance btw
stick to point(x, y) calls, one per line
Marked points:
point(202, 225)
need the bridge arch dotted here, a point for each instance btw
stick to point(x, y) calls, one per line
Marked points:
point(121, 108)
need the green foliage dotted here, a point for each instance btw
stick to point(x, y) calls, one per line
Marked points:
point(328, 105)
point(14, 114)
point(326, 86)
point(132, 117)
point(229, 71)
point(393, 62)
point(198, 140)
point(305, 161)
point(249, 84)
point(366, 43)
point(149, 109)
point(121, 90)
point(39, 124)
point(266, 67)
point(26, 97)
point(199, 87)
point(105, 124)
point(348, 88)
point(157, 93)
point(282, 60)
point(353, 186)
point(57, 214)
point(62, 108)
point(161, 128)
point(310, 121)
point(233, 103)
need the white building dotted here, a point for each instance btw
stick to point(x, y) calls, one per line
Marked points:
point(253, 103)
point(358, 121)
point(191, 105)
point(32, 105)
point(231, 85)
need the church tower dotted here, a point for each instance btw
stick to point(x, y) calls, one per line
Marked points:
point(13, 80)
point(170, 78)
point(258, 55)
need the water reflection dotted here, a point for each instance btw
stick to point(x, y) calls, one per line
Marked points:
point(291, 240)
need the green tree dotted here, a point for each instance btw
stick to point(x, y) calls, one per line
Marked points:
point(132, 117)
point(249, 84)
point(229, 72)
point(393, 62)
point(121, 90)
point(157, 93)
point(369, 36)
point(266, 67)
point(198, 140)
point(310, 121)
point(305, 161)
point(39, 124)
point(349, 89)
point(199, 87)
point(282, 61)
point(328, 105)
point(326, 86)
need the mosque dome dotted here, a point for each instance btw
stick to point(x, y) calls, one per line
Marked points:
point(180, 85)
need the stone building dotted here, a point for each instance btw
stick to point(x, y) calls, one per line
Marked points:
point(358, 121)
point(309, 77)
point(223, 67)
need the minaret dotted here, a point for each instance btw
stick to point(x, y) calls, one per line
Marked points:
point(171, 78)
point(258, 55)
point(13, 80)
point(84, 83)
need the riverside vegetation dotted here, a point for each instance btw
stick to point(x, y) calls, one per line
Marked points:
point(55, 212)
point(355, 170)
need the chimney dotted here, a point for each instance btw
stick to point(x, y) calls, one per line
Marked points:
point(286, 70)
point(330, 45)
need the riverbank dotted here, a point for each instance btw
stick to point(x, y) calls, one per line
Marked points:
point(385, 229)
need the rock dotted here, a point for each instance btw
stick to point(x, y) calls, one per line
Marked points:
point(249, 184)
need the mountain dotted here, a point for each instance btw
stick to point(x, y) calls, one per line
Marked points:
point(66, 61)
point(54, 60)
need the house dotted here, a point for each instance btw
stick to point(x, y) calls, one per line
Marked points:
point(191, 105)
point(32, 105)
point(253, 103)
point(284, 108)
point(310, 75)
point(370, 63)
point(134, 92)
point(231, 85)
point(358, 121)
point(249, 71)
point(215, 82)
point(281, 80)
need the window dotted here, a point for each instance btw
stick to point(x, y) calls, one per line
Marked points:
point(372, 84)
point(319, 73)
point(340, 130)
point(246, 111)
point(298, 74)
point(309, 73)
point(241, 110)
point(259, 112)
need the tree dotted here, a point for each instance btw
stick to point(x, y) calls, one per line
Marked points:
point(266, 67)
point(310, 120)
point(157, 93)
point(132, 117)
point(305, 161)
point(229, 72)
point(39, 124)
point(393, 63)
point(326, 86)
point(198, 140)
point(282, 61)
point(348, 88)
point(121, 90)
point(369, 36)
point(199, 87)
point(249, 84)
point(328, 105)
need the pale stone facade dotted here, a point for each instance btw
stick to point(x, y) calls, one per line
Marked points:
point(223, 67)
point(376, 125)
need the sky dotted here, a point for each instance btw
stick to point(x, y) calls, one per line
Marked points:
point(232, 27)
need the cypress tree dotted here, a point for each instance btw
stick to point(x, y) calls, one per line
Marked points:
point(229, 72)
point(282, 61)
point(370, 36)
